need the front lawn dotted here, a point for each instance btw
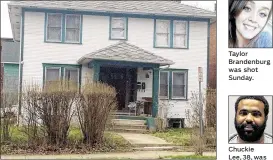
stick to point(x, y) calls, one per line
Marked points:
point(180, 136)
point(18, 144)
point(188, 137)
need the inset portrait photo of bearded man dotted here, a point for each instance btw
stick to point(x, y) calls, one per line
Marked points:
point(250, 119)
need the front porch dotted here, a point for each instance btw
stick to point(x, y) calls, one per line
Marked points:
point(134, 73)
point(133, 82)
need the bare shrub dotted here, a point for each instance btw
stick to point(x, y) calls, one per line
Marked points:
point(94, 107)
point(208, 139)
point(8, 113)
point(49, 110)
point(162, 120)
point(193, 113)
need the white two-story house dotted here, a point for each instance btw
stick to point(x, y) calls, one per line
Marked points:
point(147, 50)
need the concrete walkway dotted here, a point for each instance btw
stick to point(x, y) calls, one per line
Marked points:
point(127, 155)
point(143, 139)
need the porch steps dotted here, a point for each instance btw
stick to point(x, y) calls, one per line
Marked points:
point(130, 130)
point(129, 125)
point(123, 114)
point(128, 122)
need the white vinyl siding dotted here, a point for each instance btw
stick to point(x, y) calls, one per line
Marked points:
point(162, 33)
point(118, 28)
point(95, 34)
point(54, 27)
point(179, 85)
point(72, 28)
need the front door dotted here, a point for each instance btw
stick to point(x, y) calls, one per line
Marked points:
point(115, 77)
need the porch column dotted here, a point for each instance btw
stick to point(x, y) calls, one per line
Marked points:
point(155, 91)
point(96, 70)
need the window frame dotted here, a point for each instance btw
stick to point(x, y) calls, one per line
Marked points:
point(185, 80)
point(79, 40)
point(111, 28)
point(78, 71)
point(168, 84)
point(186, 34)
point(63, 28)
point(62, 68)
point(46, 27)
point(169, 33)
point(172, 33)
point(60, 73)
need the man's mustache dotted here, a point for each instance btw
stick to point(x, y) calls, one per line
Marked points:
point(244, 125)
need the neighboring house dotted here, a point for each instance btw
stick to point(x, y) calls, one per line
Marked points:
point(148, 50)
point(213, 56)
point(10, 65)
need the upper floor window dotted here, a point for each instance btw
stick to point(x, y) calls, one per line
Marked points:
point(72, 28)
point(180, 34)
point(118, 27)
point(171, 33)
point(163, 33)
point(54, 27)
point(63, 28)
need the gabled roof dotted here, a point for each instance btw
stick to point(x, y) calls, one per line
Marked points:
point(10, 50)
point(123, 51)
point(156, 8)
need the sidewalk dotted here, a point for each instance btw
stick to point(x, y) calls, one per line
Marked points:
point(143, 139)
point(127, 155)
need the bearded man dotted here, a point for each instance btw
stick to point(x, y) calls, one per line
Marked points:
point(251, 114)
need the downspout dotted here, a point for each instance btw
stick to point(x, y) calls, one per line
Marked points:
point(21, 64)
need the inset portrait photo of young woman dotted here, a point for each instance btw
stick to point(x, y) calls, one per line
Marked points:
point(250, 24)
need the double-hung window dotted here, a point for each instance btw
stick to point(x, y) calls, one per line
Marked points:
point(180, 34)
point(173, 84)
point(54, 27)
point(171, 34)
point(162, 33)
point(118, 27)
point(65, 28)
point(72, 28)
point(53, 74)
point(164, 85)
point(69, 73)
point(178, 85)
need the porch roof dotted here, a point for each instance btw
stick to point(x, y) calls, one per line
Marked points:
point(123, 51)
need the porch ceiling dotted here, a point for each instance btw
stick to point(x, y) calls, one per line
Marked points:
point(123, 51)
